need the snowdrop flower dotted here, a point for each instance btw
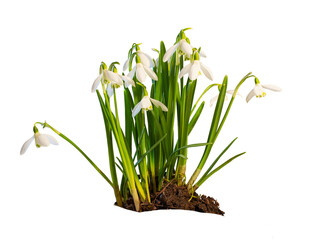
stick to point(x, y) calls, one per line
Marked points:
point(109, 77)
point(145, 59)
point(214, 99)
point(41, 140)
point(258, 90)
point(141, 71)
point(182, 45)
point(145, 104)
point(193, 69)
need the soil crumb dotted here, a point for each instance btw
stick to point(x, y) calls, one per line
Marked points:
point(172, 196)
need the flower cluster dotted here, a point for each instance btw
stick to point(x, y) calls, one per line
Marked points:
point(153, 144)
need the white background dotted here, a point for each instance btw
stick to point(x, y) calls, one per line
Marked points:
point(50, 53)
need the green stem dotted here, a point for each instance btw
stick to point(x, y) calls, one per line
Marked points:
point(79, 149)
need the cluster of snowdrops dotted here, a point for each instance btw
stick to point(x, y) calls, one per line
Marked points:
point(149, 153)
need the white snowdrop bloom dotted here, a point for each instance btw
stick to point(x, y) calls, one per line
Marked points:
point(41, 140)
point(258, 90)
point(230, 92)
point(145, 60)
point(114, 81)
point(182, 45)
point(141, 71)
point(146, 104)
point(193, 69)
point(108, 77)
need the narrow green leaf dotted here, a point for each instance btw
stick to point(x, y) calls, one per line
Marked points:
point(189, 146)
point(128, 106)
point(150, 149)
point(195, 118)
point(198, 184)
point(216, 160)
point(140, 139)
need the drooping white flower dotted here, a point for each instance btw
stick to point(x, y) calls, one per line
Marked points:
point(182, 45)
point(109, 77)
point(193, 69)
point(146, 104)
point(214, 99)
point(258, 90)
point(141, 71)
point(41, 140)
point(146, 60)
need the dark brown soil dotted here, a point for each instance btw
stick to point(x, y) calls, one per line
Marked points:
point(173, 196)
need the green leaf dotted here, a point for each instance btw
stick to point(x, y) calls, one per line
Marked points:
point(128, 106)
point(195, 118)
point(140, 139)
point(189, 146)
point(216, 160)
point(150, 149)
point(198, 184)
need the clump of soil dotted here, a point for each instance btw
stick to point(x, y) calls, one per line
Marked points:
point(173, 196)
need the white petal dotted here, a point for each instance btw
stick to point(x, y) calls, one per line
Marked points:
point(118, 81)
point(150, 60)
point(146, 60)
point(151, 73)
point(126, 65)
point(110, 90)
point(194, 71)
point(258, 90)
point(213, 100)
point(271, 87)
point(96, 83)
point(52, 140)
point(185, 70)
point(206, 71)
point(136, 109)
point(145, 103)
point(132, 72)
point(159, 104)
point(185, 47)
point(42, 140)
point(169, 52)
point(140, 73)
point(113, 77)
point(26, 145)
point(250, 95)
